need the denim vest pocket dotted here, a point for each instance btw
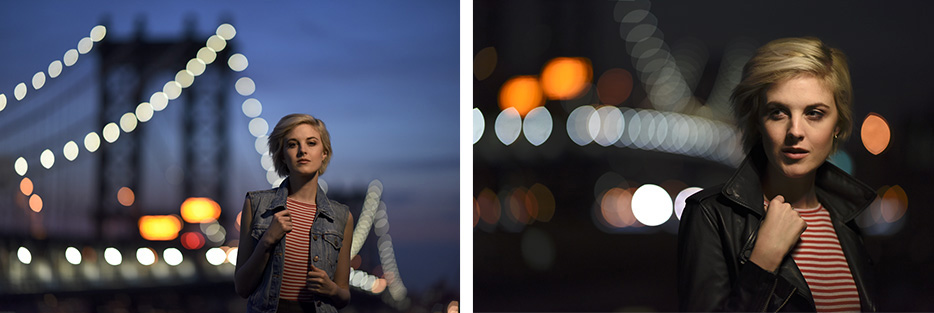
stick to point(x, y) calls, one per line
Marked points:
point(325, 250)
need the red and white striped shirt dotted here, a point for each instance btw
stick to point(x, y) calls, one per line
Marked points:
point(295, 272)
point(821, 260)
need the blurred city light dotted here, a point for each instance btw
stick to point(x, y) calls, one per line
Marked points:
point(47, 158)
point(146, 256)
point(111, 132)
point(252, 108)
point(70, 150)
point(875, 133)
point(24, 255)
point(112, 256)
point(20, 166)
point(609, 125)
point(144, 112)
point(19, 91)
point(537, 126)
point(579, 122)
point(614, 86)
point(478, 125)
point(192, 240)
point(92, 141)
point(159, 227)
point(226, 31)
point(565, 78)
point(544, 202)
point(200, 210)
point(73, 256)
point(128, 122)
point(651, 205)
point(25, 186)
point(38, 80)
point(238, 62)
point(894, 204)
point(616, 207)
point(522, 93)
point(489, 206)
point(35, 203)
point(215, 256)
point(507, 126)
point(258, 127)
point(172, 256)
point(125, 196)
point(55, 69)
point(245, 86)
point(681, 197)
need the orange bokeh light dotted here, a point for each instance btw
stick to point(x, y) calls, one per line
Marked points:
point(159, 227)
point(614, 86)
point(566, 78)
point(192, 240)
point(125, 196)
point(875, 133)
point(35, 203)
point(484, 63)
point(616, 207)
point(522, 93)
point(200, 210)
point(489, 206)
point(25, 186)
point(894, 204)
point(379, 286)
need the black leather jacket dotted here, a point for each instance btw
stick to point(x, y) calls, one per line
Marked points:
point(718, 231)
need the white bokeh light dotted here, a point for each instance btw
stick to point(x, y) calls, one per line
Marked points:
point(184, 78)
point(195, 66)
point(252, 108)
point(70, 151)
point(24, 255)
point(226, 31)
point(508, 125)
point(261, 144)
point(172, 256)
point(19, 91)
point(144, 112)
point(537, 125)
point(73, 256)
point(238, 62)
point(47, 158)
point(85, 45)
point(111, 132)
point(217, 43)
point(71, 56)
point(651, 205)
point(55, 69)
point(172, 90)
point(258, 127)
point(245, 86)
point(98, 33)
point(683, 195)
point(206, 55)
point(2, 101)
point(579, 123)
point(611, 125)
point(113, 256)
point(478, 124)
point(158, 101)
point(145, 256)
point(38, 80)
point(20, 166)
point(128, 122)
point(215, 256)
point(92, 141)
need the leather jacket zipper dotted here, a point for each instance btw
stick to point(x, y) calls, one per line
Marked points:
point(791, 294)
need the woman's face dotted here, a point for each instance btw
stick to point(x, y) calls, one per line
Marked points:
point(798, 122)
point(303, 151)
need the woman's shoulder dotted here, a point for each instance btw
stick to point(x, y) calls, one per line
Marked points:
point(705, 195)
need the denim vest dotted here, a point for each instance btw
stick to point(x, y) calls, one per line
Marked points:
point(327, 235)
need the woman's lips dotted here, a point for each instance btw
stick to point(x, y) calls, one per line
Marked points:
point(795, 153)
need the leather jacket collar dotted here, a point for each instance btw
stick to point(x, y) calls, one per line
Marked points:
point(836, 189)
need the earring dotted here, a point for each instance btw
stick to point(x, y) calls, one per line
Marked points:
point(834, 136)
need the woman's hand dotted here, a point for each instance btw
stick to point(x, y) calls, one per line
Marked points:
point(320, 283)
point(280, 225)
point(778, 233)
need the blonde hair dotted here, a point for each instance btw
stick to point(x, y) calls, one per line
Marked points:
point(283, 127)
point(783, 59)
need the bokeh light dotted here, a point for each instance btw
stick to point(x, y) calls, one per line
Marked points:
point(507, 126)
point(19, 91)
point(484, 63)
point(24, 255)
point(111, 132)
point(55, 69)
point(226, 31)
point(70, 150)
point(488, 204)
point(544, 202)
point(215, 256)
point(681, 197)
point(579, 122)
point(608, 125)
point(651, 205)
point(128, 122)
point(38, 80)
point(252, 108)
point(20, 166)
point(35, 203)
point(245, 86)
point(894, 204)
point(537, 126)
point(875, 133)
point(172, 89)
point(172, 256)
point(92, 141)
point(2, 101)
point(566, 78)
point(146, 256)
point(192, 240)
point(216, 43)
point(206, 55)
point(184, 78)
point(523, 93)
point(113, 256)
point(200, 210)
point(159, 227)
point(98, 33)
point(25, 186)
point(195, 66)
point(85, 45)
point(232, 255)
point(614, 86)
point(515, 206)
point(616, 207)
point(144, 112)
point(125, 196)
point(238, 62)
point(47, 158)
point(71, 56)
point(258, 127)
point(73, 256)
point(478, 124)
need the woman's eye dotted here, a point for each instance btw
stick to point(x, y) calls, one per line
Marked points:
point(291, 145)
point(776, 114)
point(816, 114)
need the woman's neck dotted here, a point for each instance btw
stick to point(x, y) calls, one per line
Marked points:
point(799, 192)
point(303, 188)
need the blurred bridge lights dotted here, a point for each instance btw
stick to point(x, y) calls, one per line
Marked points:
point(159, 227)
point(200, 210)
